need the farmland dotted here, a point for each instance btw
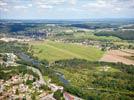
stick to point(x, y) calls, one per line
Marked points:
point(118, 56)
point(52, 51)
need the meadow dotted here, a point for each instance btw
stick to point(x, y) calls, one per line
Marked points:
point(53, 51)
point(92, 36)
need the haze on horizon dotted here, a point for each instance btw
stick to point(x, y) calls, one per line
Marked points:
point(66, 9)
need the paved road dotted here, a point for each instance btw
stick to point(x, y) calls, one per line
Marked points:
point(39, 73)
point(48, 97)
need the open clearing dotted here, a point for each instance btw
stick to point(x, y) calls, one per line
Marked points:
point(52, 51)
point(119, 56)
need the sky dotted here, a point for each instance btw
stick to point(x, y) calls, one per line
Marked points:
point(66, 9)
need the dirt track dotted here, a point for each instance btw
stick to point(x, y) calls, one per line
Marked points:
point(118, 56)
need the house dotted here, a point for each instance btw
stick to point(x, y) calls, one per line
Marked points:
point(54, 88)
point(10, 59)
point(2, 88)
point(43, 94)
point(16, 79)
point(48, 97)
point(14, 88)
point(37, 84)
point(68, 96)
point(28, 77)
point(23, 88)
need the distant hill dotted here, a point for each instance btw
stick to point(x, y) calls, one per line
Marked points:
point(125, 35)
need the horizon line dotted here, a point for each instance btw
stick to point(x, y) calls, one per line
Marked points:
point(66, 18)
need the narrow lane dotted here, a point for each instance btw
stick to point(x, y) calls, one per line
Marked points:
point(35, 70)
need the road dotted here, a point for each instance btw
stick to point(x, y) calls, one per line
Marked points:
point(35, 70)
point(48, 97)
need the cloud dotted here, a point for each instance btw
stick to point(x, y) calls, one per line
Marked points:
point(72, 2)
point(3, 3)
point(4, 6)
point(56, 2)
point(20, 7)
point(30, 5)
point(109, 5)
point(45, 6)
point(49, 2)
point(69, 7)
point(4, 9)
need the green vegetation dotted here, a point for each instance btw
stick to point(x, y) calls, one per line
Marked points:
point(97, 25)
point(90, 36)
point(97, 80)
point(7, 72)
point(125, 35)
point(11, 47)
point(53, 51)
point(58, 95)
point(83, 35)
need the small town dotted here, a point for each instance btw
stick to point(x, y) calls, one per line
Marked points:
point(26, 86)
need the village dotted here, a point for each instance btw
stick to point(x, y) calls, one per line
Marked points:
point(27, 86)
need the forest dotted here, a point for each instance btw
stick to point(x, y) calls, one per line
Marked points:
point(124, 35)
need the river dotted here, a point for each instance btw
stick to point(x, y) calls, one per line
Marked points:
point(36, 63)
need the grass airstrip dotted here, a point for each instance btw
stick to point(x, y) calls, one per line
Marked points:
point(53, 51)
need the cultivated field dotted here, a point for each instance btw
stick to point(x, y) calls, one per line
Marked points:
point(124, 56)
point(53, 51)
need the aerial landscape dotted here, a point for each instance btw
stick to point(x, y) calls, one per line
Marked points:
point(66, 50)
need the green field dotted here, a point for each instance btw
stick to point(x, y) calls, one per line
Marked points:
point(90, 35)
point(52, 51)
